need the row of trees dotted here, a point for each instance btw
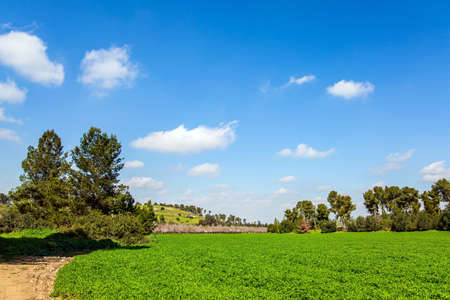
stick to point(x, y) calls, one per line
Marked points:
point(390, 208)
point(56, 191)
point(231, 220)
point(188, 208)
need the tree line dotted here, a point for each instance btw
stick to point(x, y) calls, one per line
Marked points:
point(81, 195)
point(390, 208)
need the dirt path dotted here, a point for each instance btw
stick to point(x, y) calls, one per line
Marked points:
point(29, 278)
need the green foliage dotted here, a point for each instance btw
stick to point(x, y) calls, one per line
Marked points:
point(444, 220)
point(323, 212)
point(147, 217)
point(125, 228)
point(286, 226)
point(96, 180)
point(328, 227)
point(341, 205)
point(380, 265)
point(4, 199)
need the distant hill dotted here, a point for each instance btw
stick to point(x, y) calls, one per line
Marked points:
point(174, 215)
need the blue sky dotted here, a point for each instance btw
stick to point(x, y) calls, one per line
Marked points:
point(357, 91)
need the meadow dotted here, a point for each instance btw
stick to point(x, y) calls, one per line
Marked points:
point(382, 265)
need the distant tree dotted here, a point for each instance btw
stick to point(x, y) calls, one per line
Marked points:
point(322, 212)
point(96, 179)
point(442, 189)
point(307, 209)
point(341, 206)
point(291, 215)
point(408, 200)
point(431, 202)
point(4, 199)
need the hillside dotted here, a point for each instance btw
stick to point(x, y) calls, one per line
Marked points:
point(174, 215)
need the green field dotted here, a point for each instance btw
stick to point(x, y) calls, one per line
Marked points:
point(174, 215)
point(382, 265)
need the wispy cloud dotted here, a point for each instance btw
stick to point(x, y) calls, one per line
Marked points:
point(4, 118)
point(206, 169)
point(304, 151)
point(398, 157)
point(11, 93)
point(299, 81)
point(8, 134)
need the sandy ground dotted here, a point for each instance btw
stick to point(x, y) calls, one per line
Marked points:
point(29, 278)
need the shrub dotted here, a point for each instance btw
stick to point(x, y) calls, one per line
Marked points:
point(400, 221)
point(424, 221)
point(305, 227)
point(444, 220)
point(372, 224)
point(328, 227)
point(286, 226)
point(125, 228)
point(351, 226)
point(361, 224)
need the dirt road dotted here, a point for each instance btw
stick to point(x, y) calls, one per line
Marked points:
point(29, 278)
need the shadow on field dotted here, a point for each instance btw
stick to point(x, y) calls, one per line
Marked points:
point(56, 244)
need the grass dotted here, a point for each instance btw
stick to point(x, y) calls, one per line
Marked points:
point(174, 215)
point(381, 265)
point(46, 242)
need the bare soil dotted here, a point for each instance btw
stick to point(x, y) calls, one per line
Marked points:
point(29, 278)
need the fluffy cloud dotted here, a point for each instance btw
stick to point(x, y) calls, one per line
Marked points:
point(386, 167)
point(206, 169)
point(397, 157)
point(299, 81)
point(182, 140)
point(4, 118)
point(435, 171)
point(350, 89)
point(26, 54)
point(8, 134)
point(9, 92)
point(105, 69)
point(303, 151)
point(288, 179)
point(145, 183)
point(134, 164)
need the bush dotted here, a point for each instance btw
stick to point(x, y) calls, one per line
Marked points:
point(328, 227)
point(125, 228)
point(444, 220)
point(399, 221)
point(351, 226)
point(305, 227)
point(424, 221)
point(372, 224)
point(286, 226)
point(361, 224)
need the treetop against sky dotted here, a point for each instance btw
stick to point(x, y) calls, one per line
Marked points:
point(242, 108)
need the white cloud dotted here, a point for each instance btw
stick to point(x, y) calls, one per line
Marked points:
point(386, 167)
point(182, 140)
point(324, 188)
point(8, 134)
point(145, 182)
point(299, 81)
point(281, 191)
point(288, 179)
point(304, 151)
point(350, 89)
point(400, 156)
point(26, 54)
point(205, 169)
point(188, 192)
point(105, 69)
point(9, 92)
point(4, 118)
point(435, 171)
point(134, 164)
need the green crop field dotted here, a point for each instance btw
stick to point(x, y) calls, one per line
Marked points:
point(174, 215)
point(381, 265)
